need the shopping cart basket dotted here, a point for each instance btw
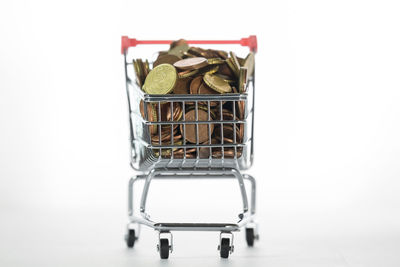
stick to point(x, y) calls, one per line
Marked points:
point(157, 160)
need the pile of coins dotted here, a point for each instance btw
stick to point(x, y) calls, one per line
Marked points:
point(192, 70)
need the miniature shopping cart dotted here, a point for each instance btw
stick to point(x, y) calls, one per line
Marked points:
point(157, 161)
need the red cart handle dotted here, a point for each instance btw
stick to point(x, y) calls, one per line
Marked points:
point(250, 42)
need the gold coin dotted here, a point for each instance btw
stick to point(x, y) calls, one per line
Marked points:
point(215, 61)
point(161, 80)
point(138, 73)
point(217, 83)
point(146, 69)
point(226, 78)
point(240, 60)
point(242, 79)
point(249, 64)
point(233, 66)
point(178, 43)
point(187, 73)
point(210, 69)
point(179, 50)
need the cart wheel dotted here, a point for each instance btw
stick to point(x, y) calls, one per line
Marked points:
point(130, 238)
point(164, 248)
point(224, 248)
point(250, 237)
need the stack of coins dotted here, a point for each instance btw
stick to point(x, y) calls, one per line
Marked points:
point(192, 70)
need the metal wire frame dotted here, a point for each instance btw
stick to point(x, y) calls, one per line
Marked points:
point(245, 218)
point(151, 167)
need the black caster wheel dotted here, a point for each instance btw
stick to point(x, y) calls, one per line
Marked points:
point(250, 236)
point(224, 248)
point(130, 238)
point(164, 248)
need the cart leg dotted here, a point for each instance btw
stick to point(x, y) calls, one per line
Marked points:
point(252, 181)
point(251, 230)
point(133, 228)
point(130, 195)
point(146, 186)
point(242, 187)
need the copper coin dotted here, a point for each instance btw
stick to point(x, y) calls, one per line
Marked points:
point(204, 89)
point(167, 114)
point(191, 132)
point(207, 53)
point(229, 133)
point(180, 152)
point(191, 63)
point(165, 134)
point(195, 85)
point(205, 152)
point(187, 73)
point(166, 137)
point(182, 86)
point(151, 115)
point(203, 107)
point(167, 58)
point(222, 54)
point(225, 70)
point(228, 152)
point(226, 114)
point(241, 109)
point(195, 51)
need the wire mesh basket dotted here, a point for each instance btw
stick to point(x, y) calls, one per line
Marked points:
point(159, 138)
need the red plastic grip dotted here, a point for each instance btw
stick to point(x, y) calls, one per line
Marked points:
point(250, 42)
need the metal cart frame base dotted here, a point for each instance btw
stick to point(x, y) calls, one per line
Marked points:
point(246, 218)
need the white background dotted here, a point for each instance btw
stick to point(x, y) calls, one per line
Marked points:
point(327, 133)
